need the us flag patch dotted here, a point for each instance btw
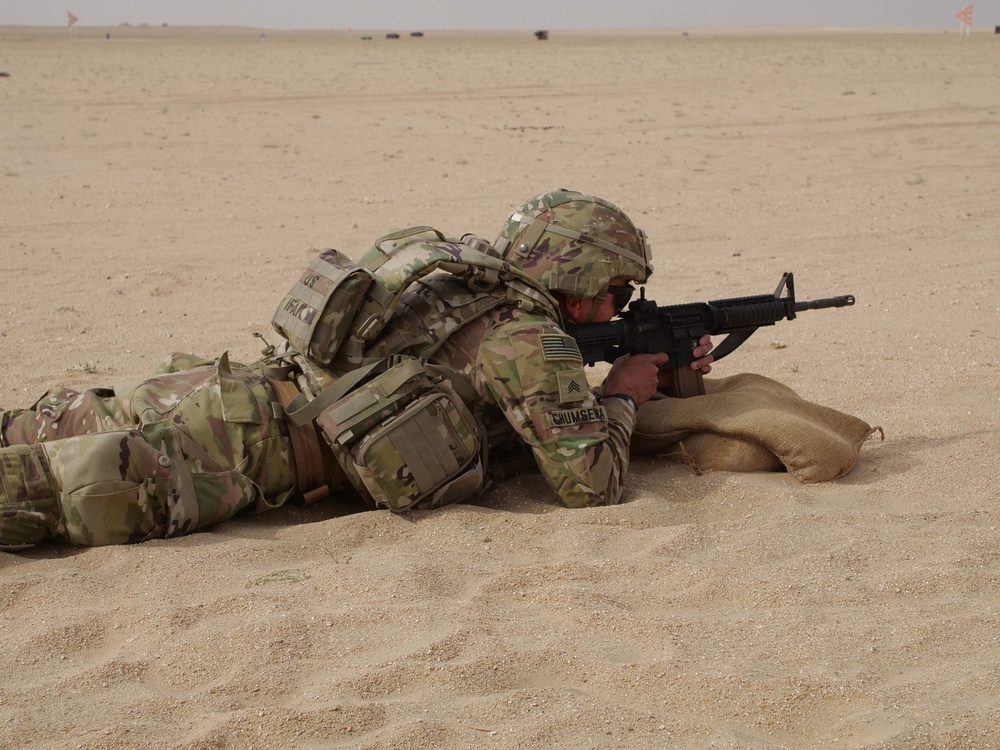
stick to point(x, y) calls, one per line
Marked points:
point(558, 347)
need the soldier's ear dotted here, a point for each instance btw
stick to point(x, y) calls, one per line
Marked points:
point(574, 308)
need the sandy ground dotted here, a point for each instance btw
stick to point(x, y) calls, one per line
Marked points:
point(161, 189)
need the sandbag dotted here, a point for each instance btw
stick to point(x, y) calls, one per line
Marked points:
point(749, 422)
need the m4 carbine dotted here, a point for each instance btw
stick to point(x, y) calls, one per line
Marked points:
point(647, 328)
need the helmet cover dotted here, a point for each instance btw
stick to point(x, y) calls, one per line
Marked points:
point(574, 243)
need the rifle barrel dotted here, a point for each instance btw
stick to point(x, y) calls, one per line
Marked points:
point(845, 300)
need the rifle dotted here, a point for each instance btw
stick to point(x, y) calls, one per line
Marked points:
point(675, 329)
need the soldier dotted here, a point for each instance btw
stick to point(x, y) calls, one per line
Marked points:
point(522, 365)
point(205, 440)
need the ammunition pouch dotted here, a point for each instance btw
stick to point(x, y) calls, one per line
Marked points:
point(316, 314)
point(406, 440)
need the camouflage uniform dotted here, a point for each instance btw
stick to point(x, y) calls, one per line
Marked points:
point(524, 377)
point(173, 454)
point(186, 449)
point(531, 373)
point(193, 447)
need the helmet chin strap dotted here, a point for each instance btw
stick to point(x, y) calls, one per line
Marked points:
point(595, 305)
point(592, 314)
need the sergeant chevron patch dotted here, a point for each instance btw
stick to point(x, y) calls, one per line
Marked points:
point(573, 386)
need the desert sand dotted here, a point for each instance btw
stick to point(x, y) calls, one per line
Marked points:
point(161, 189)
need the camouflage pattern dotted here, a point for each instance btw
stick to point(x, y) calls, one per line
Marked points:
point(175, 453)
point(426, 456)
point(337, 308)
point(316, 315)
point(574, 243)
point(516, 368)
point(399, 260)
point(433, 309)
point(201, 441)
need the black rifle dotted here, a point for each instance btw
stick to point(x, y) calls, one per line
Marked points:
point(675, 329)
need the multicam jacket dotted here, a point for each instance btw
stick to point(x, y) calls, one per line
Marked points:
point(528, 379)
point(202, 441)
point(491, 328)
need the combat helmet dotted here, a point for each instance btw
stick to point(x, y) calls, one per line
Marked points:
point(574, 243)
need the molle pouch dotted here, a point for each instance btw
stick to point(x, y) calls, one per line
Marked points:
point(316, 315)
point(406, 441)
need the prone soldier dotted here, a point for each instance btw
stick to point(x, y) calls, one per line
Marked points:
point(205, 440)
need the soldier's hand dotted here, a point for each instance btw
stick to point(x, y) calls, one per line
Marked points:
point(703, 362)
point(703, 357)
point(637, 375)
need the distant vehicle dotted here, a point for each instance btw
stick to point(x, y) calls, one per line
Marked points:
point(392, 36)
point(542, 35)
point(416, 33)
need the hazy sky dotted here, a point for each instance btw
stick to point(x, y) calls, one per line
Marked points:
point(506, 14)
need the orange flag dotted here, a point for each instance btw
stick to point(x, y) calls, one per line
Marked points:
point(966, 15)
point(72, 19)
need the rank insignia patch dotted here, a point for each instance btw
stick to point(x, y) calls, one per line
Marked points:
point(573, 386)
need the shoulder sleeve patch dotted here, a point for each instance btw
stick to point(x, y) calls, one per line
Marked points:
point(557, 346)
point(570, 417)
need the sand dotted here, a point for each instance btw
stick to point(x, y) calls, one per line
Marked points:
point(162, 188)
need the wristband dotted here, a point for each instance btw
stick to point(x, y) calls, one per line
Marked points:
point(624, 397)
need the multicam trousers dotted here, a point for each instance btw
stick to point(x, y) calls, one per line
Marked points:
point(173, 454)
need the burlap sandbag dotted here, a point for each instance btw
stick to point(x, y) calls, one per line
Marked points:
point(749, 422)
